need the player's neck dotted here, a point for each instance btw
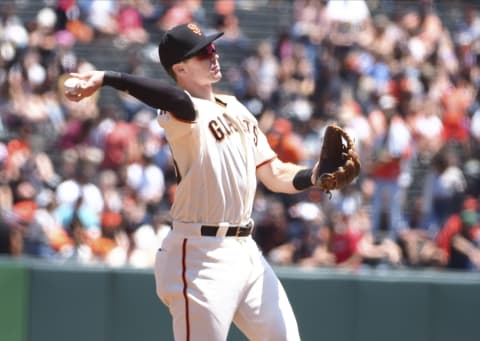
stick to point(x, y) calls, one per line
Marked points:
point(199, 91)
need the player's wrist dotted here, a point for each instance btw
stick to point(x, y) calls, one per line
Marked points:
point(111, 78)
point(303, 179)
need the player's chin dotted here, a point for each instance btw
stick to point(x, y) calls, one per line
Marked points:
point(216, 76)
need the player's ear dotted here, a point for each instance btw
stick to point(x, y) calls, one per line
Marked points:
point(178, 68)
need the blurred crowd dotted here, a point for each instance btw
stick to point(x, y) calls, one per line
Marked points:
point(92, 182)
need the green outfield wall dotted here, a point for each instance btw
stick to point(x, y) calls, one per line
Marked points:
point(14, 301)
point(56, 302)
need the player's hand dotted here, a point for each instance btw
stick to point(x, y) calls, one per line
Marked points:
point(91, 81)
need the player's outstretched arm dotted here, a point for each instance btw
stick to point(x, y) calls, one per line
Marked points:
point(153, 92)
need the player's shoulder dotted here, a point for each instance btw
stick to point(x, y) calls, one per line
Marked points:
point(235, 105)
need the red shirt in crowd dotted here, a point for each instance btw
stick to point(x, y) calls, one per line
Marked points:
point(344, 245)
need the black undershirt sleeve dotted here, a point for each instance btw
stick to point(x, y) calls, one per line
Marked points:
point(153, 92)
point(303, 179)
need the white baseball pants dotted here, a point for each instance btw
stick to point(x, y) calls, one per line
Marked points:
point(208, 282)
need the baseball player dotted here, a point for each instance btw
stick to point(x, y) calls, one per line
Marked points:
point(209, 271)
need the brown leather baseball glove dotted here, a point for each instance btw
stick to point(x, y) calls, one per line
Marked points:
point(339, 163)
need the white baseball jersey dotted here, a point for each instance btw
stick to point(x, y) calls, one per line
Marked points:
point(215, 162)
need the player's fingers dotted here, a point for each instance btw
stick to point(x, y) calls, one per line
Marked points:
point(82, 76)
point(74, 97)
point(76, 75)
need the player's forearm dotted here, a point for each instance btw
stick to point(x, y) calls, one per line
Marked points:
point(283, 177)
point(153, 92)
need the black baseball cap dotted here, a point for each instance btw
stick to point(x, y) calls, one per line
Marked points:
point(182, 42)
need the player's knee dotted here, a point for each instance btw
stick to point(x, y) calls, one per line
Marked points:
point(282, 331)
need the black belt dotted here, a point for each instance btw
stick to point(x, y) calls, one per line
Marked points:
point(232, 231)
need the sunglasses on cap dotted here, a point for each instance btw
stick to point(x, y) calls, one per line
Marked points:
point(206, 52)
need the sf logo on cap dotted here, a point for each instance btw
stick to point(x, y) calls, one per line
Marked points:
point(195, 29)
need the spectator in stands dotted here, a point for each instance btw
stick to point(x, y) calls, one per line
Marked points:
point(58, 240)
point(120, 145)
point(147, 180)
point(455, 103)
point(130, 25)
point(261, 71)
point(355, 245)
point(70, 21)
point(444, 189)
point(13, 32)
point(285, 142)
point(385, 165)
point(34, 241)
point(79, 202)
point(233, 34)
point(344, 241)
point(272, 225)
point(382, 38)
point(469, 24)
point(420, 250)
point(177, 13)
point(348, 21)
point(311, 21)
point(460, 236)
point(306, 238)
point(102, 18)
point(427, 128)
point(352, 118)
